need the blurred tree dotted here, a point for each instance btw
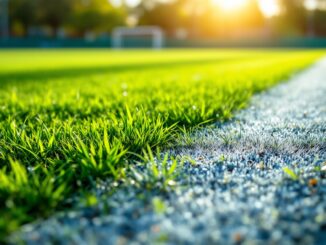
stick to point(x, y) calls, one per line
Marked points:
point(22, 14)
point(167, 15)
point(54, 13)
point(320, 22)
point(196, 18)
point(95, 16)
point(200, 17)
point(292, 20)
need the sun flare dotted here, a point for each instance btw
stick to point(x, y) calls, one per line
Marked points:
point(229, 5)
point(268, 7)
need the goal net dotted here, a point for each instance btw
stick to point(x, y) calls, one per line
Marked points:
point(122, 35)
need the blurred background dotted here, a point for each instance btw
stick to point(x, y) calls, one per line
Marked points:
point(181, 23)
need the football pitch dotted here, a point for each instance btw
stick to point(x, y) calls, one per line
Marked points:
point(72, 118)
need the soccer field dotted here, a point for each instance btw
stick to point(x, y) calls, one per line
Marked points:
point(69, 118)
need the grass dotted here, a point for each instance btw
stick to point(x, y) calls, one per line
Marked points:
point(71, 117)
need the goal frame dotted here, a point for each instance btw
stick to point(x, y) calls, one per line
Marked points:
point(155, 32)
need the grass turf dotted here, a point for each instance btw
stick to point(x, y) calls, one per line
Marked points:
point(71, 117)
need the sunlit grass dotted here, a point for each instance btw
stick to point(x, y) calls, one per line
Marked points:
point(69, 118)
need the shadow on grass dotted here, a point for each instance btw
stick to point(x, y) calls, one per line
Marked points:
point(43, 75)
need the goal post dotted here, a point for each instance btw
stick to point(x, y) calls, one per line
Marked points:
point(154, 32)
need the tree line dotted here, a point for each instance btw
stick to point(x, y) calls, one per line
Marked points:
point(194, 18)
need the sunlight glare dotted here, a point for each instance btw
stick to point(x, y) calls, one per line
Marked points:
point(269, 8)
point(311, 4)
point(230, 5)
point(132, 3)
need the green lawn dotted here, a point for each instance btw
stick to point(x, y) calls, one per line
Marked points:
point(71, 117)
